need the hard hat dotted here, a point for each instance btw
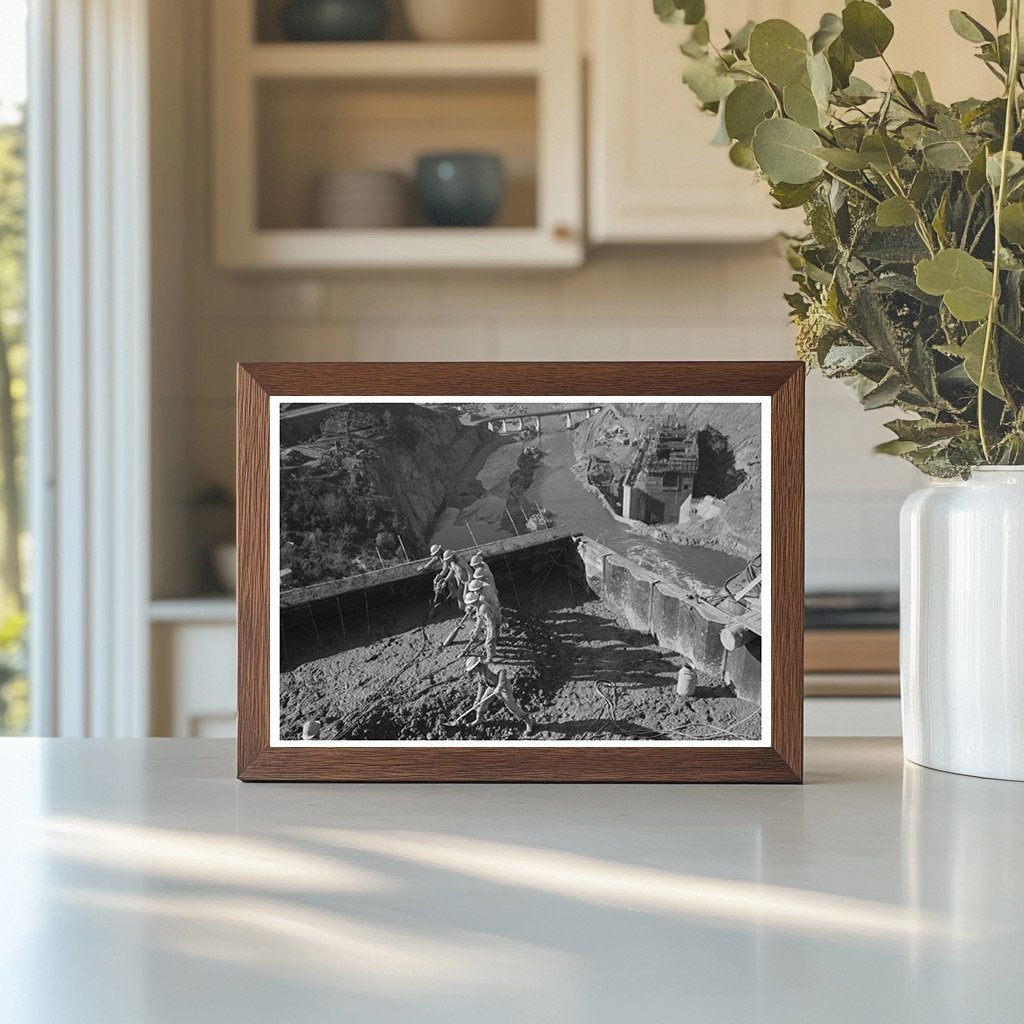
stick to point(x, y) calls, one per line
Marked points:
point(477, 559)
point(479, 573)
point(472, 597)
point(472, 663)
point(476, 585)
point(448, 556)
point(435, 550)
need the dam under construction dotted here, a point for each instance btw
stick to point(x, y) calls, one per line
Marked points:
point(592, 642)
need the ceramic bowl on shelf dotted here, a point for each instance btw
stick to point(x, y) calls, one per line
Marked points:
point(331, 21)
point(361, 198)
point(471, 20)
point(460, 189)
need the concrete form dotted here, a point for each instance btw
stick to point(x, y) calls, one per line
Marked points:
point(677, 619)
point(660, 481)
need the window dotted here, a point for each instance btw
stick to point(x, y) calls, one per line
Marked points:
point(14, 705)
point(671, 482)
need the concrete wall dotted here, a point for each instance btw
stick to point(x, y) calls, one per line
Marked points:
point(678, 620)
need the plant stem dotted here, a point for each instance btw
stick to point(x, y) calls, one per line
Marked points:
point(993, 309)
point(856, 188)
point(923, 228)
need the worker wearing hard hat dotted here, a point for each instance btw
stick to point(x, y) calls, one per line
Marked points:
point(481, 570)
point(488, 618)
point(455, 575)
point(491, 684)
point(487, 593)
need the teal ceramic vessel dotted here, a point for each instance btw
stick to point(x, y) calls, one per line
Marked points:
point(333, 21)
point(461, 190)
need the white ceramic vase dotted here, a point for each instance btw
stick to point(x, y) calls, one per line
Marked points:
point(962, 624)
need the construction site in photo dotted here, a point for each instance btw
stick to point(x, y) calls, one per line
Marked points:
point(505, 570)
point(594, 646)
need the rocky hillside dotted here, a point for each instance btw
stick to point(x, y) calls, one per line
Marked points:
point(368, 478)
point(729, 436)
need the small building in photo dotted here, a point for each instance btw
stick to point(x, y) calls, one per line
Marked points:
point(661, 478)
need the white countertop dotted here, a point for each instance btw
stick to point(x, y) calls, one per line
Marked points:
point(143, 885)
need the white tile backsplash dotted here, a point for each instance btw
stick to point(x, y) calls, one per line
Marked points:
point(715, 303)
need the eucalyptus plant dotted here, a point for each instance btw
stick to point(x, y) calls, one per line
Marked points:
point(910, 278)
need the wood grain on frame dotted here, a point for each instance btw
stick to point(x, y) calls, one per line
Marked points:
point(782, 761)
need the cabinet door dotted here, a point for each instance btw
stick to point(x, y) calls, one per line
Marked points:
point(654, 175)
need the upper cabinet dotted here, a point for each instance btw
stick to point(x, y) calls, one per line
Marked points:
point(654, 175)
point(316, 143)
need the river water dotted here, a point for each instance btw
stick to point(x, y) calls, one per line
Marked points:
point(556, 488)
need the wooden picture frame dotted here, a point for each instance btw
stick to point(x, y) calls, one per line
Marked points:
point(778, 757)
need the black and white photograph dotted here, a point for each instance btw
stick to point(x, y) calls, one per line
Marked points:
point(518, 570)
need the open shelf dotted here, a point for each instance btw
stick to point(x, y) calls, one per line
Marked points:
point(393, 60)
point(288, 113)
point(306, 128)
point(521, 16)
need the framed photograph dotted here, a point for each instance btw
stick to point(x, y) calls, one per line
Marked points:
point(520, 572)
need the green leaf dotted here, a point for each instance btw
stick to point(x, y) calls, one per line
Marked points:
point(858, 91)
point(739, 41)
point(841, 60)
point(676, 12)
point(999, 7)
point(844, 159)
point(883, 153)
point(800, 105)
point(885, 394)
point(708, 80)
point(741, 155)
point(1012, 226)
point(1014, 169)
point(939, 220)
point(820, 77)
point(789, 197)
point(963, 281)
point(896, 447)
point(866, 29)
point(923, 431)
point(921, 185)
point(896, 212)
point(946, 156)
point(785, 152)
point(746, 107)
point(906, 89)
point(969, 28)
point(976, 173)
point(778, 50)
point(829, 30)
point(971, 352)
point(924, 87)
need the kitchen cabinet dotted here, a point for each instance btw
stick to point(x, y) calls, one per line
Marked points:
point(287, 113)
point(192, 646)
point(653, 175)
